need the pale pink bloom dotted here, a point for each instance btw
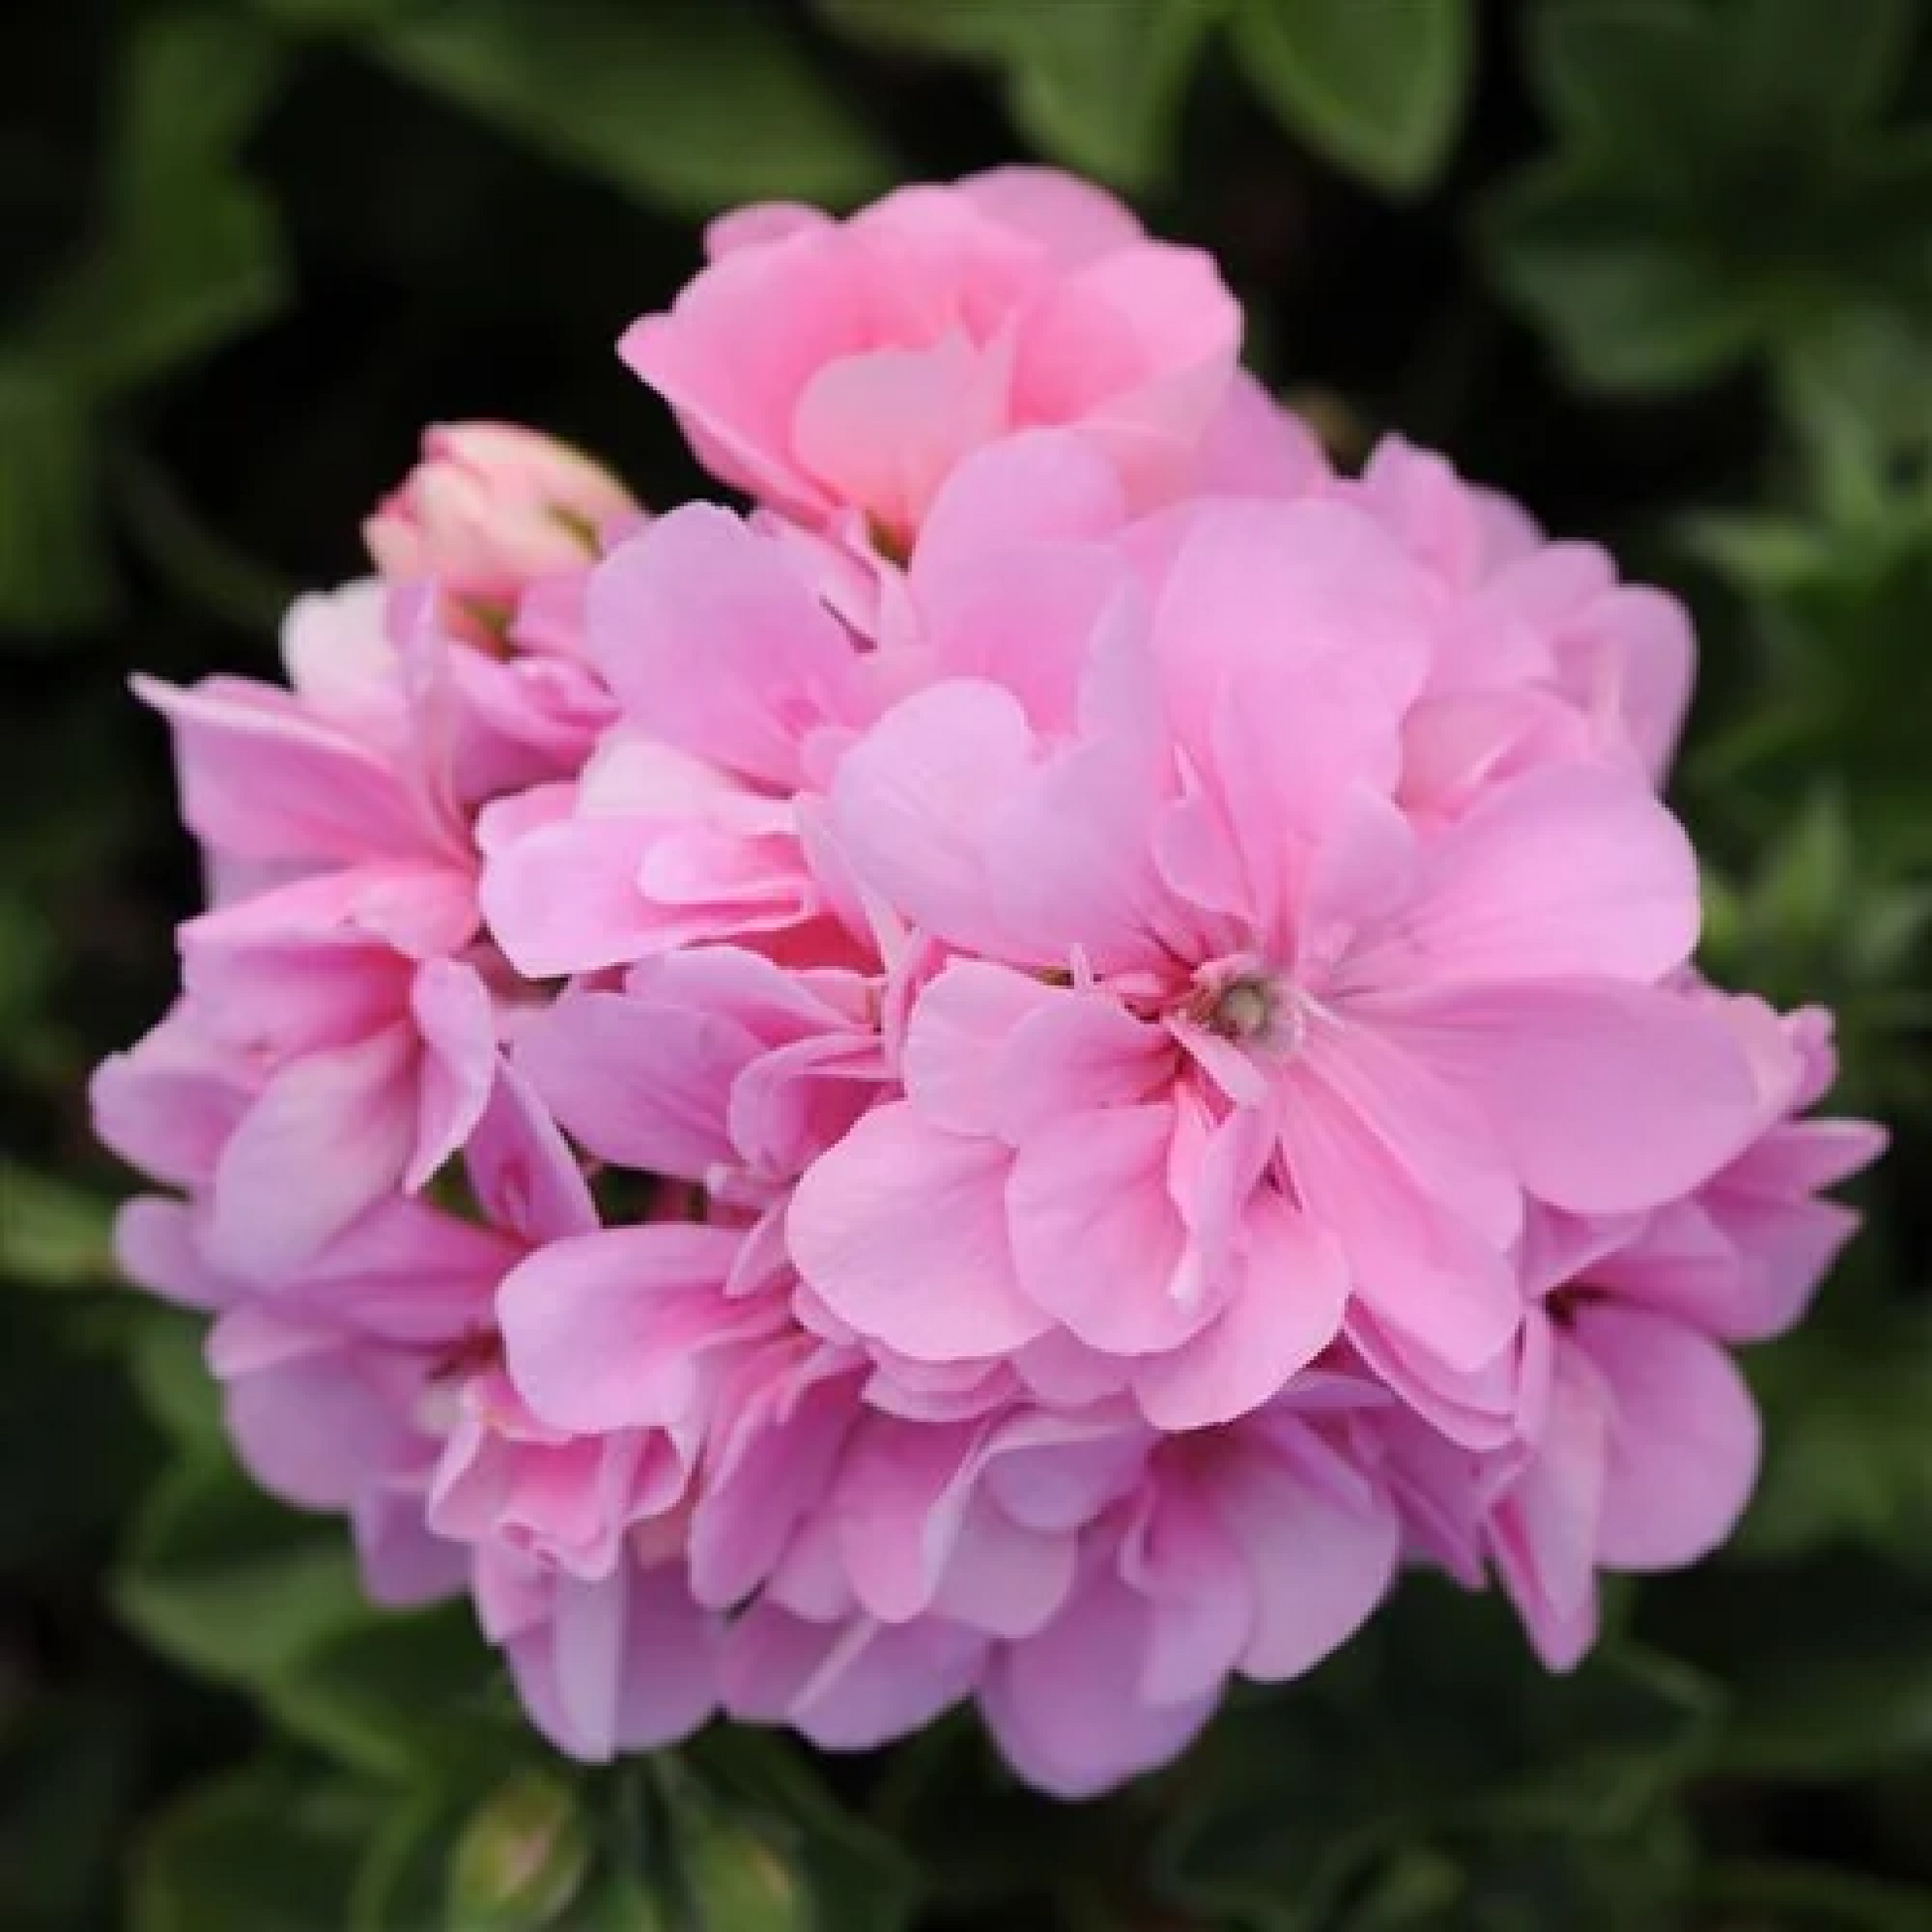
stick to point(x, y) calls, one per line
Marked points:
point(490, 509)
point(1258, 1550)
point(1297, 1042)
point(1644, 1450)
point(1542, 653)
point(931, 323)
point(733, 684)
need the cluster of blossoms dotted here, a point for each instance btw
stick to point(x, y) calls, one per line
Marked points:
point(1015, 1077)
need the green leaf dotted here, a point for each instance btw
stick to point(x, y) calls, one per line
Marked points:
point(1435, 1719)
point(167, 1356)
point(1813, 1898)
point(1377, 87)
point(258, 1852)
point(66, 1780)
point(1846, 1463)
point(401, 1882)
point(53, 1235)
point(230, 1583)
point(188, 252)
point(406, 1696)
point(858, 1879)
point(56, 574)
point(1098, 85)
point(1827, 1665)
point(692, 108)
point(1718, 190)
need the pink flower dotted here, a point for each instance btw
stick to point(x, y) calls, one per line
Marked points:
point(1643, 1447)
point(491, 509)
point(1233, 1053)
point(1005, 1080)
point(932, 323)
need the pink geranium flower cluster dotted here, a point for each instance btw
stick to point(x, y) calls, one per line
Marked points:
point(1013, 1077)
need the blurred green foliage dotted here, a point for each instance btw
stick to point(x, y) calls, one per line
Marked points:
point(1661, 267)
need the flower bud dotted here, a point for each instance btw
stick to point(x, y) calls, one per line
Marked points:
point(522, 1858)
point(490, 509)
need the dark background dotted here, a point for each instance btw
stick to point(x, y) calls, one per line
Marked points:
point(1663, 268)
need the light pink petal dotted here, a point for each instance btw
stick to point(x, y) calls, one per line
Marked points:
point(1413, 1258)
point(1036, 489)
point(452, 1010)
point(329, 1136)
point(1683, 1438)
point(565, 896)
point(915, 795)
point(1569, 870)
point(602, 1332)
point(638, 1081)
point(1097, 1240)
point(714, 646)
point(1286, 1308)
point(1606, 1096)
point(902, 1228)
point(883, 429)
point(261, 778)
point(1075, 220)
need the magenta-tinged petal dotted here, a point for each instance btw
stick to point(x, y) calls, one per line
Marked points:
point(1319, 1565)
point(621, 1665)
point(521, 1169)
point(902, 1228)
point(1544, 1531)
point(848, 1686)
point(157, 1244)
point(1066, 1707)
point(1683, 1438)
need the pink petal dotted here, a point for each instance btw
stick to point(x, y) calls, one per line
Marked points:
point(715, 648)
point(1097, 1240)
point(915, 797)
point(1570, 870)
point(329, 1136)
point(1606, 1096)
point(602, 1330)
point(1683, 1442)
point(902, 1228)
point(1066, 1709)
point(1286, 1308)
point(1319, 1566)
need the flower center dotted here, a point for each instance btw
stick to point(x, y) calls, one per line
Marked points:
point(1244, 1008)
